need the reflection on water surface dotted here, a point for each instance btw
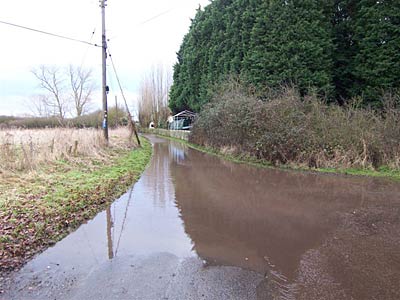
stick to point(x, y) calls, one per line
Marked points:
point(189, 203)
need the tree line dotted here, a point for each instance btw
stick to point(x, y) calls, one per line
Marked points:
point(340, 49)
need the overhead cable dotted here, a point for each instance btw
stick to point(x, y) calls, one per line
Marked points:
point(148, 20)
point(87, 49)
point(49, 33)
point(117, 77)
point(131, 123)
point(156, 16)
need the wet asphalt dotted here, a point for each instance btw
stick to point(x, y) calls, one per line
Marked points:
point(158, 276)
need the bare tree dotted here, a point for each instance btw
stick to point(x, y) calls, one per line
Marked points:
point(145, 104)
point(82, 87)
point(38, 106)
point(154, 96)
point(67, 88)
point(51, 80)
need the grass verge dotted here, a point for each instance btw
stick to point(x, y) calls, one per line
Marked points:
point(39, 208)
point(383, 171)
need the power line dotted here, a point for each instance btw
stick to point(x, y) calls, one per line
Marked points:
point(116, 76)
point(131, 123)
point(87, 48)
point(150, 19)
point(157, 16)
point(49, 33)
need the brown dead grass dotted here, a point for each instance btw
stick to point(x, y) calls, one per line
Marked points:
point(26, 150)
point(29, 155)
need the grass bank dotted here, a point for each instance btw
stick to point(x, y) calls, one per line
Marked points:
point(244, 158)
point(40, 206)
point(288, 130)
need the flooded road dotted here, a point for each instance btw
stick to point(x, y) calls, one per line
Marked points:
point(197, 227)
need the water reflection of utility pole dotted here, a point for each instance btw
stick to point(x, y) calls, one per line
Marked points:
point(109, 237)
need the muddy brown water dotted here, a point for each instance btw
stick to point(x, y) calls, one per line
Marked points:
point(191, 204)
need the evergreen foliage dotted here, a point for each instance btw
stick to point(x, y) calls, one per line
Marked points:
point(337, 48)
point(377, 38)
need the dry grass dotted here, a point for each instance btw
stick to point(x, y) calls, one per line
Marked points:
point(26, 150)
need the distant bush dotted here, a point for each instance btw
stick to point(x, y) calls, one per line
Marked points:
point(285, 128)
point(92, 120)
point(116, 117)
point(32, 122)
point(5, 119)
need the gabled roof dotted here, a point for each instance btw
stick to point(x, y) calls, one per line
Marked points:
point(185, 113)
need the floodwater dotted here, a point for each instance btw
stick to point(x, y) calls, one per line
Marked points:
point(193, 205)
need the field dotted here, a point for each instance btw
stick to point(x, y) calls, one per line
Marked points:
point(52, 180)
point(26, 150)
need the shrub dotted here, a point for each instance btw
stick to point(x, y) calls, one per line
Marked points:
point(285, 128)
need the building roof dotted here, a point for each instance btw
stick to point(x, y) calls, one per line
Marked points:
point(185, 114)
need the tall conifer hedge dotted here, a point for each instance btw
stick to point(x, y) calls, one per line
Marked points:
point(339, 48)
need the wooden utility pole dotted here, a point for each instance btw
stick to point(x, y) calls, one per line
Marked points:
point(104, 71)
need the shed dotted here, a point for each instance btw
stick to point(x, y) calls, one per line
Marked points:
point(182, 121)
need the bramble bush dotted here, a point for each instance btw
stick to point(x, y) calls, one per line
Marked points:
point(285, 128)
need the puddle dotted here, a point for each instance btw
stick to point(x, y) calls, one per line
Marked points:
point(191, 204)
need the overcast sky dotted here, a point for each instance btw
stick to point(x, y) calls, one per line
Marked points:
point(141, 33)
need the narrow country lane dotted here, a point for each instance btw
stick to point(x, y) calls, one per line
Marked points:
point(198, 227)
